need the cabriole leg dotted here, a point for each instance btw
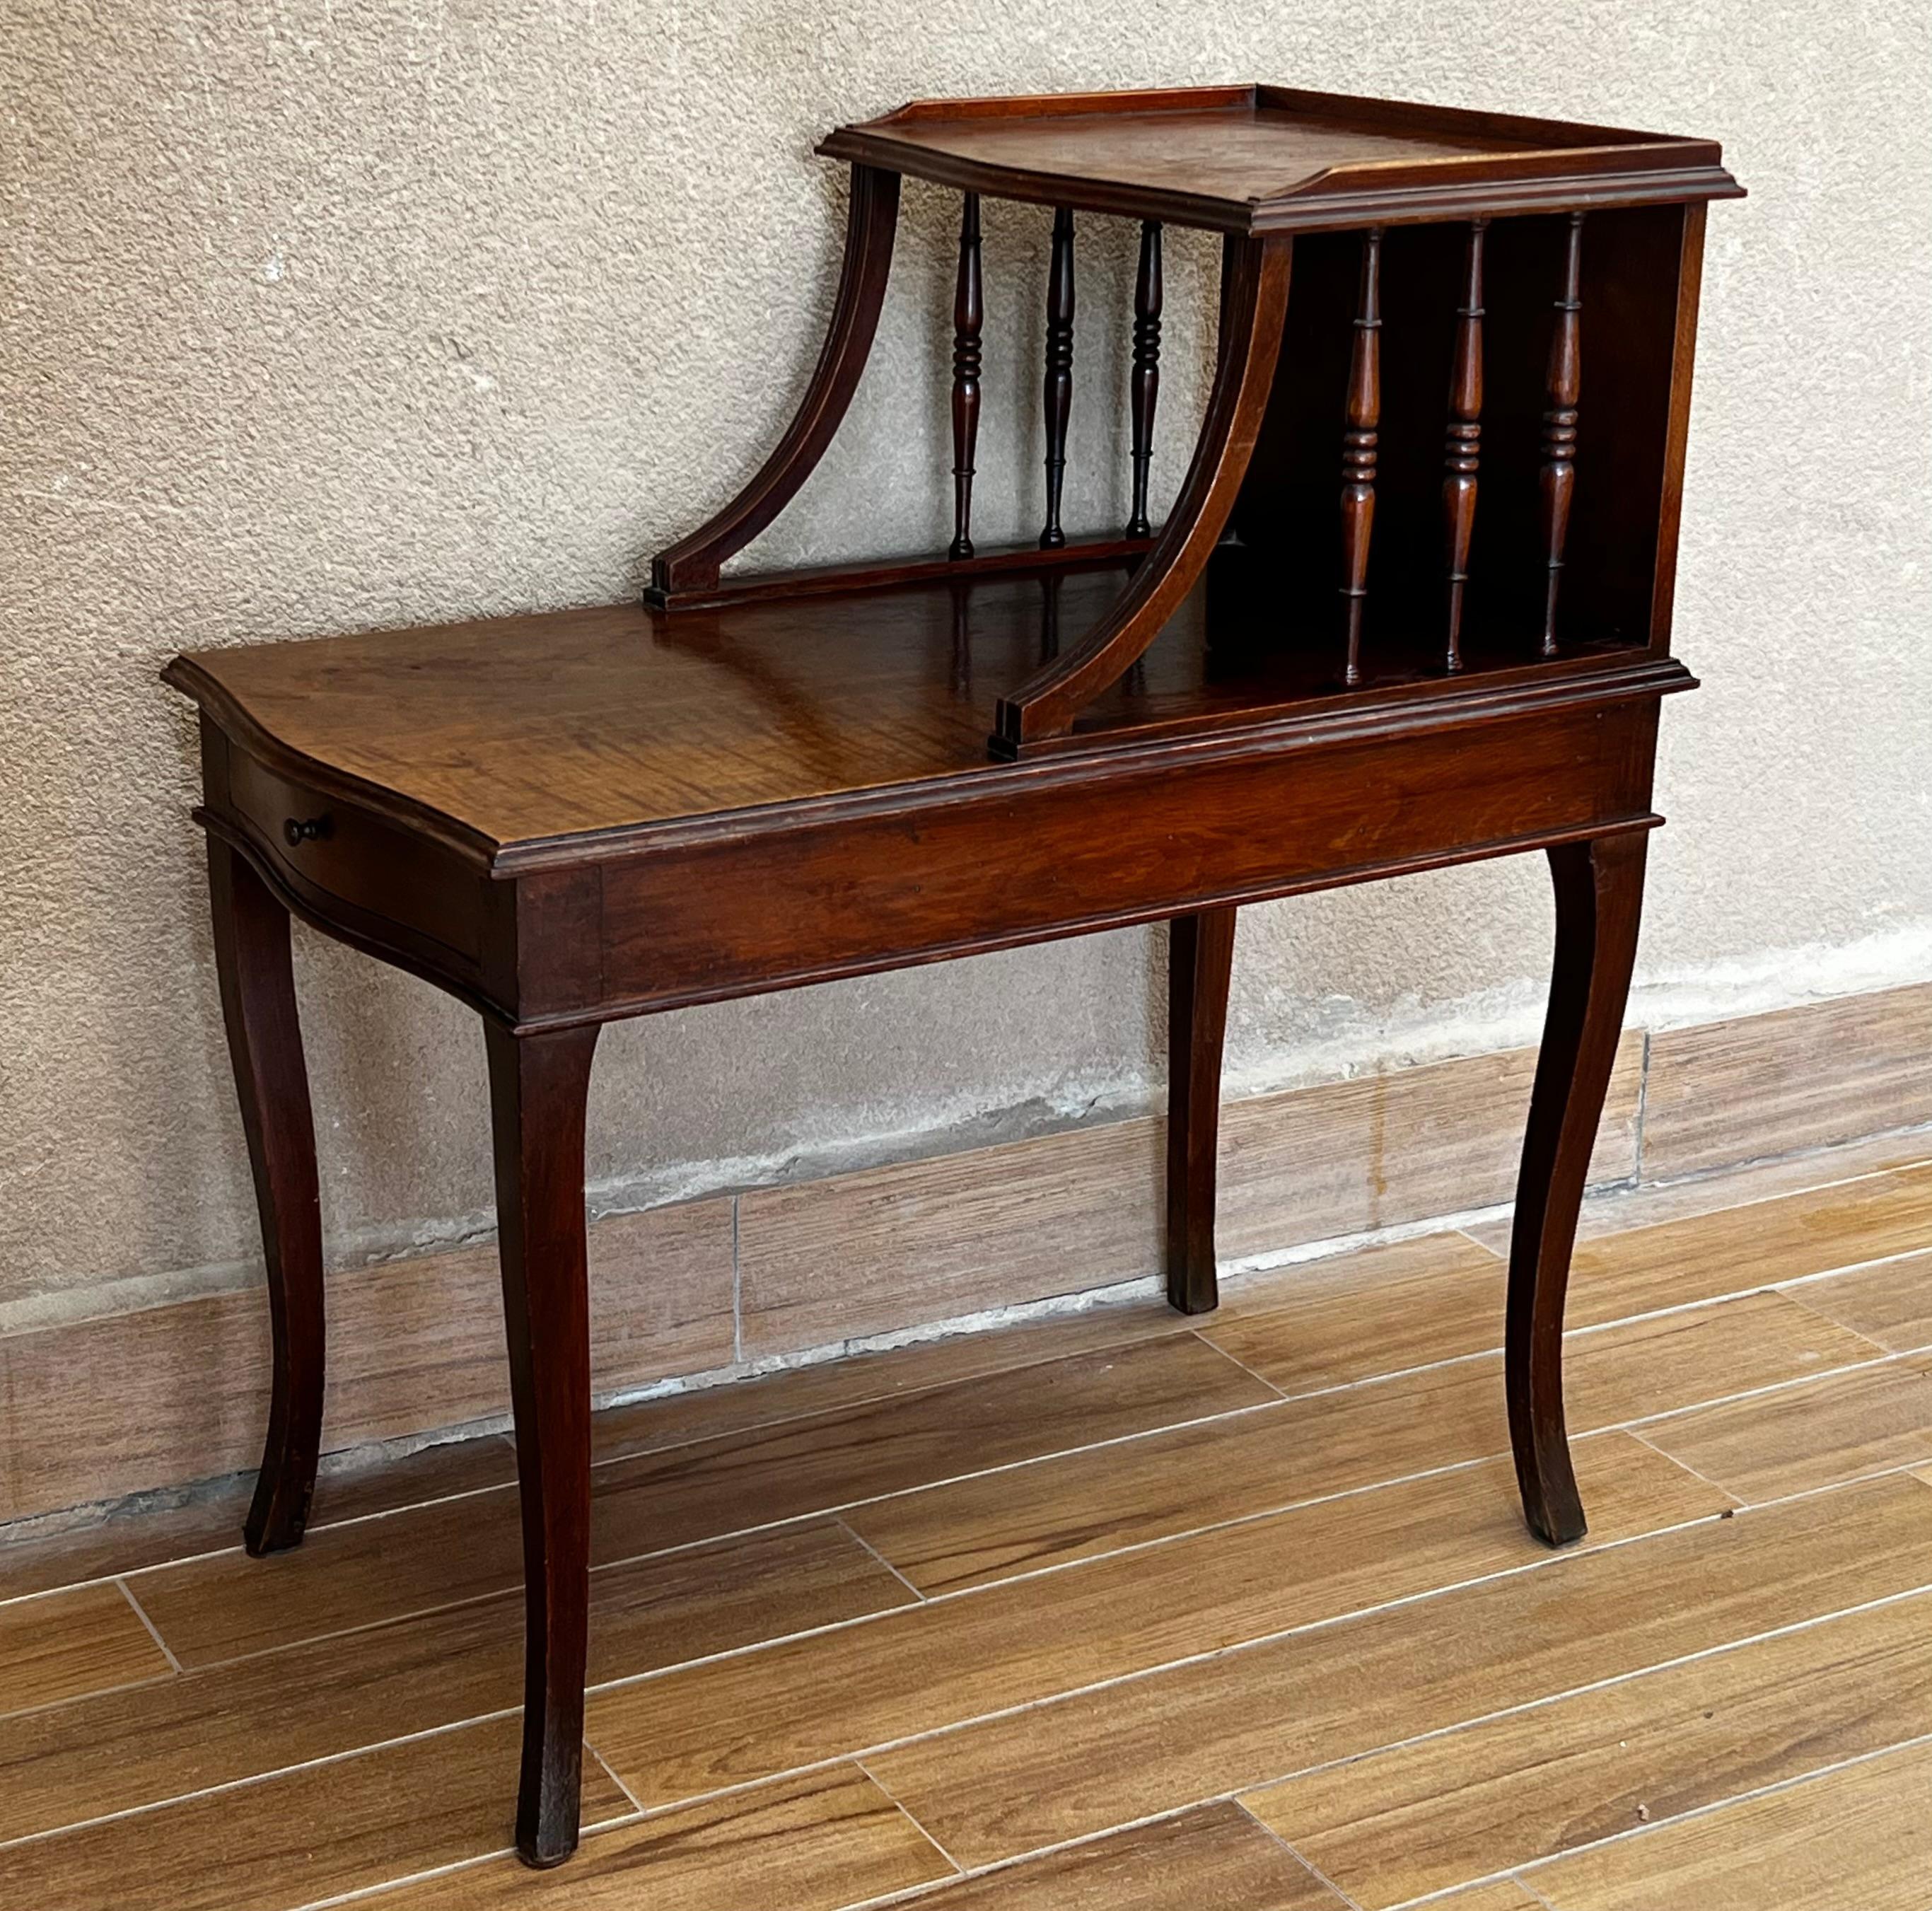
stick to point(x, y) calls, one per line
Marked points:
point(1599, 900)
point(1201, 953)
point(258, 1004)
point(538, 1085)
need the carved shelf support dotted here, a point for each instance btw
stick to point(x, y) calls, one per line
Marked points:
point(691, 566)
point(1059, 385)
point(1464, 450)
point(1358, 448)
point(1565, 385)
point(1044, 706)
point(1143, 385)
point(969, 312)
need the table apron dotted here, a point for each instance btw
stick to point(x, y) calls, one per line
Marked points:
point(775, 908)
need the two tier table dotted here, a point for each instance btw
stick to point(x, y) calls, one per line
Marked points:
point(1410, 607)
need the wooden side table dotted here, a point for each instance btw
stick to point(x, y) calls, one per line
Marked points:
point(752, 782)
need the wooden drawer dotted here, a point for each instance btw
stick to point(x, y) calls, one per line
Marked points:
point(326, 849)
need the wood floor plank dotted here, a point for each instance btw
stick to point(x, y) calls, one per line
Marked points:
point(1749, 1340)
point(1077, 1505)
point(1819, 1433)
point(792, 1392)
point(794, 1704)
point(304, 1835)
point(213, 1609)
point(1890, 1303)
point(1762, 1245)
point(1859, 1839)
point(1002, 1787)
point(1365, 1314)
point(132, 1539)
point(67, 1644)
point(1216, 1858)
point(811, 1843)
point(1501, 1794)
point(1504, 1895)
point(131, 1748)
point(1616, 1211)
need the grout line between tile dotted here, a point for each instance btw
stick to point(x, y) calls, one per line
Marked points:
point(154, 1632)
point(1279, 1392)
point(1737, 1499)
point(737, 1287)
point(1643, 1108)
point(852, 1533)
point(610, 1772)
point(1307, 1864)
point(886, 1792)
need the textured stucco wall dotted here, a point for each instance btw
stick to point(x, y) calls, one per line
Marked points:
point(322, 317)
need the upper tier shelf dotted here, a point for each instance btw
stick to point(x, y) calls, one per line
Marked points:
point(1255, 160)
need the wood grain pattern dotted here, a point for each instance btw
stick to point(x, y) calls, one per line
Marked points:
point(1084, 1762)
point(1216, 1857)
point(212, 1609)
point(1502, 1793)
point(1798, 1438)
point(1347, 1156)
point(66, 1644)
point(1504, 1895)
point(122, 1749)
point(1890, 1303)
point(253, 959)
point(1811, 1076)
point(1615, 1211)
point(1324, 1324)
point(1763, 1245)
point(136, 1538)
point(790, 1392)
point(1858, 1840)
point(791, 1704)
point(811, 1843)
point(971, 1531)
point(928, 1240)
point(309, 1834)
point(165, 1395)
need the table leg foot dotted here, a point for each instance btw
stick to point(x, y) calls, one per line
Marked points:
point(537, 1086)
point(1200, 953)
point(1599, 902)
point(258, 1005)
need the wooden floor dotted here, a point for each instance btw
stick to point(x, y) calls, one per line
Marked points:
point(1103, 1612)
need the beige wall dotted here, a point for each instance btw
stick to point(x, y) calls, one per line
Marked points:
point(320, 317)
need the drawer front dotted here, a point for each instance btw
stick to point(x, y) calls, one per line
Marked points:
point(327, 849)
point(821, 902)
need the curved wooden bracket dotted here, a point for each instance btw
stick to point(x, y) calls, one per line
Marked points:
point(1254, 304)
point(691, 566)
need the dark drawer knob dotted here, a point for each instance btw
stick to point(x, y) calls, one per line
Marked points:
point(307, 829)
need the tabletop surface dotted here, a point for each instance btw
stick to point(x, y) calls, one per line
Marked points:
point(1260, 157)
point(526, 729)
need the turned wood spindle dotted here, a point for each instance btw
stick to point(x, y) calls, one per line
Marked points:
point(1358, 448)
point(968, 315)
point(1559, 422)
point(1059, 387)
point(1144, 385)
point(1465, 438)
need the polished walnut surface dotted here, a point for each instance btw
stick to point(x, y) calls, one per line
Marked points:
point(529, 728)
point(1270, 158)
